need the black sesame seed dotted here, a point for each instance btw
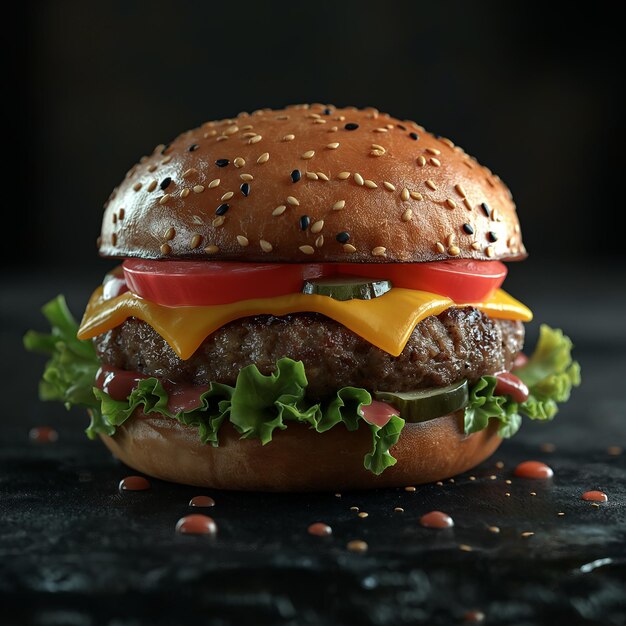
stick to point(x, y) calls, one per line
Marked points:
point(164, 148)
point(468, 229)
point(193, 147)
point(343, 237)
point(401, 127)
point(245, 189)
point(327, 111)
point(492, 236)
point(165, 183)
point(305, 220)
point(486, 209)
point(222, 162)
point(296, 175)
point(414, 136)
point(351, 126)
point(222, 209)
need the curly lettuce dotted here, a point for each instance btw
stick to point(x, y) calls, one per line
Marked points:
point(257, 405)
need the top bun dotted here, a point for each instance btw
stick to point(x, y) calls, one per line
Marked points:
point(311, 183)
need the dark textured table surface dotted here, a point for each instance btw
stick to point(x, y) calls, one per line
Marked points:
point(76, 551)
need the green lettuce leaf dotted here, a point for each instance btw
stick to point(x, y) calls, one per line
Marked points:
point(550, 374)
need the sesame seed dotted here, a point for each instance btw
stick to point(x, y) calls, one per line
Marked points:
point(198, 188)
point(292, 201)
point(316, 227)
point(407, 215)
point(137, 186)
point(348, 247)
point(446, 141)
point(354, 508)
point(152, 185)
point(416, 195)
point(218, 221)
point(165, 198)
point(222, 209)
point(121, 213)
point(370, 184)
point(377, 153)
point(313, 115)
point(486, 209)
point(227, 196)
point(454, 251)
point(152, 168)
point(193, 147)
point(165, 248)
point(279, 210)
point(508, 482)
point(434, 161)
point(414, 136)
point(489, 251)
point(421, 161)
point(356, 545)
point(196, 240)
point(405, 194)
point(289, 137)
point(333, 129)
point(398, 509)
point(431, 185)
point(343, 175)
point(492, 236)
point(440, 247)
point(467, 203)
point(459, 190)
point(433, 151)
point(312, 176)
point(246, 177)
point(319, 121)
point(239, 162)
point(164, 148)
point(212, 249)
point(222, 138)
point(264, 158)
point(533, 493)
point(343, 237)
point(242, 241)
point(465, 548)
point(340, 204)
point(305, 220)
point(493, 529)
point(306, 249)
point(376, 146)
point(214, 183)
point(327, 111)
point(468, 228)
point(323, 176)
point(309, 154)
point(410, 488)
point(381, 130)
point(255, 139)
point(296, 175)
point(351, 126)
point(170, 233)
point(389, 186)
point(245, 189)
point(451, 204)
point(362, 514)
point(379, 251)
point(231, 130)
point(248, 135)
point(222, 162)
point(527, 533)
point(266, 246)
point(358, 179)
point(332, 146)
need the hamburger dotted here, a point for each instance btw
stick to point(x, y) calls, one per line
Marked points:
point(306, 299)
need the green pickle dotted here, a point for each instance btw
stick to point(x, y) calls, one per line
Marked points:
point(427, 404)
point(347, 287)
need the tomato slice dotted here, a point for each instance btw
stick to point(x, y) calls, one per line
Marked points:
point(199, 283)
point(462, 280)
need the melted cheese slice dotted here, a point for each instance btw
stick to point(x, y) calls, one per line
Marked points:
point(386, 322)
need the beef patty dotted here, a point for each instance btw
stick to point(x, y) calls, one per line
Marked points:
point(456, 344)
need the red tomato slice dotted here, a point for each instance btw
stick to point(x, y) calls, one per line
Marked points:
point(462, 280)
point(198, 283)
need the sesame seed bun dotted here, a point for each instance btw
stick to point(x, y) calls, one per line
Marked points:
point(297, 458)
point(311, 183)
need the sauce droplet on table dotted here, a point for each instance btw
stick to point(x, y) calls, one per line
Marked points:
point(436, 519)
point(533, 469)
point(134, 483)
point(202, 501)
point(43, 434)
point(196, 524)
point(595, 496)
point(319, 529)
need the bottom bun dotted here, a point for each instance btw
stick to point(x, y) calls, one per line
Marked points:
point(298, 458)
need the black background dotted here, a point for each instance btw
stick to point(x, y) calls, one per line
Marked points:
point(534, 93)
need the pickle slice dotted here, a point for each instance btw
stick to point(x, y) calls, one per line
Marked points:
point(426, 404)
point(347, 287)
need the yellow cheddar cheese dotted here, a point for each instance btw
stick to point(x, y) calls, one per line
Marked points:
point(386, 322)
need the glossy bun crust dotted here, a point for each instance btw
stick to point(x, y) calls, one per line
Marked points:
point(298, 459)
point(311, 183)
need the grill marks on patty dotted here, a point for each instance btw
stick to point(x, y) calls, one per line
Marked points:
point(456, 344)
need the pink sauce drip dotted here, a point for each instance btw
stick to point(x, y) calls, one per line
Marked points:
point(183, 397)
point(510, 385)
point(436, 519)
point(378, 413)
point(134, 483)
point(196, 524)
point(43, 434)
point(595, 496)
point(533, 469)
point(202, 501)
point(319, 529)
